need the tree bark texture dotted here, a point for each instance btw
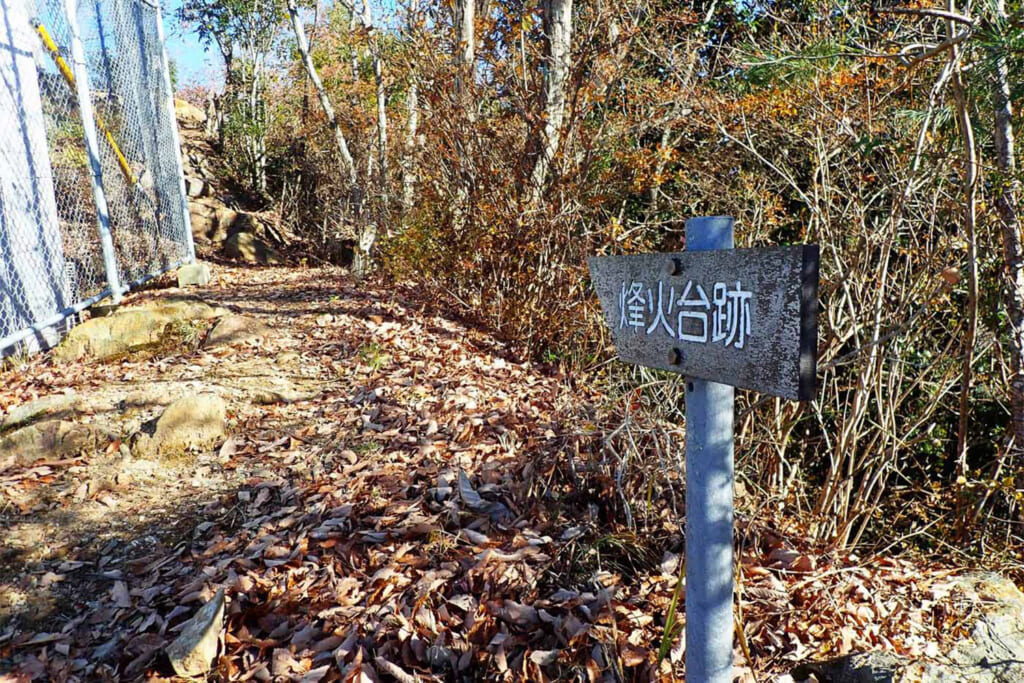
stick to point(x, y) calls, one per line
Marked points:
point(558, 32)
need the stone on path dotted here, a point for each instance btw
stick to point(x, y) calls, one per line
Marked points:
point(53, 406)
point(236, 329)
point(194, 275)
point(131, 329)
point(53, 440)
point(193, 651)
point(193, 422)
point(247, 247)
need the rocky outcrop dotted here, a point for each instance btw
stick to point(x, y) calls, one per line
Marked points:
point(245, 246)
point(52, 439)
point(211, 220)
point(214, 213)
point(190, 423)
point(54, 406)
point(994, 652)
point(188, 114)
point(131, 329)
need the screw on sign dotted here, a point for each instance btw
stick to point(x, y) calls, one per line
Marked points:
point(725, 318)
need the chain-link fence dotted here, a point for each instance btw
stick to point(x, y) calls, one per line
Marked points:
point(92, 197)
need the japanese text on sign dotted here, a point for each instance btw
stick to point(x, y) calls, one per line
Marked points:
point(692, 316)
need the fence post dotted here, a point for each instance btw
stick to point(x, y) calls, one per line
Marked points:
point(80, 70)
point(185, 217)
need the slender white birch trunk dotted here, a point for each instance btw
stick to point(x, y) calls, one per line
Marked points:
point(349, 166)
point(412, 121)
point(1010, 225)
point(558, 31)
point(382, 101)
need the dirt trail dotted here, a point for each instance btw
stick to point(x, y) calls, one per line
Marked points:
point(395, 499)
point(355, 394)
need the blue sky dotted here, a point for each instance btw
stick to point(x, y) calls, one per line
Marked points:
point(205, 67)
point(195, 65)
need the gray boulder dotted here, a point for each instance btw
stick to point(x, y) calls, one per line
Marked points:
point(994, 652)
point(195, 187)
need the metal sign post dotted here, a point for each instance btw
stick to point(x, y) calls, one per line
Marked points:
point(709, 492)
point(725, 318)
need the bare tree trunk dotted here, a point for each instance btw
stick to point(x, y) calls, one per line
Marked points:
point(368, 232)
point(558, 30)
point(382, 115)
point(970, 188)
point(354, 62)
point(321, 93)
point(409, 159)
point(465, 53)
point(1013, 250)
point(412, 103)
point(465, 57)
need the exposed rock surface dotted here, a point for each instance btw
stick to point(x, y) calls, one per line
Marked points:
point(236, 329)
point(111, 335)
point(131, 329)
point(211, 220)
point(190, 423)
point(188, 114)
point(994, 652)
point(52, 439)
point(56, 405)
point(195, 187)
point(192, 653)
point(214, 212)
point(247, 247)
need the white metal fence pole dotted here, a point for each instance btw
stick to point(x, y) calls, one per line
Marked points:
point(33, 280)
point(176, 139)
point(80, 71)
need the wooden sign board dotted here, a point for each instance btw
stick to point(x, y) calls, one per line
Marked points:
point(745, 317)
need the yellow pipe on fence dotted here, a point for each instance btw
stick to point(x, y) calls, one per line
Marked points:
point(69, 76)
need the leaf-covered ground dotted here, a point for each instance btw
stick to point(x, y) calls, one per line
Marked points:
point(428, 507)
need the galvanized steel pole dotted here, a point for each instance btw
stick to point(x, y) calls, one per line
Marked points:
point(709, 501)
point(92, 148)
point(175, 138)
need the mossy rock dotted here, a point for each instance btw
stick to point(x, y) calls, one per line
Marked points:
point(132, 329)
